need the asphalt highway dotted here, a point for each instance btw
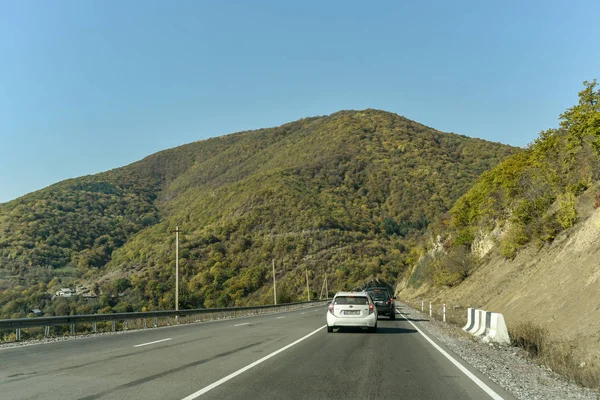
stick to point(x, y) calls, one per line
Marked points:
point(277, 356)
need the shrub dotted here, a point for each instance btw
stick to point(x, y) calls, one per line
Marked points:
point(530, 337)
point(567, 214)
point(548, 229)
point(464, 237)
point(512, 240)
point(453, 267)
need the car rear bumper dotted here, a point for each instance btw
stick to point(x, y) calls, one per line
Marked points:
point(386, 310)
point(370, 321)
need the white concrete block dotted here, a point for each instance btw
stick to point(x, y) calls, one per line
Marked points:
point(476, 321)
point(470, 319)
point(498, 333)
point(484, 323)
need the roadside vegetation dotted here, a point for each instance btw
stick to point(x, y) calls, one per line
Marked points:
point(560, 356)
point(530, 197)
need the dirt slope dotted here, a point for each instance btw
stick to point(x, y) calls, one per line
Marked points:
point(557, 287)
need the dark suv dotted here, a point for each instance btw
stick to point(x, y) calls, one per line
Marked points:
point(384, 301)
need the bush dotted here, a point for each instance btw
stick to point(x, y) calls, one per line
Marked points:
point(567, 214)
point(454, 267)
point(548, 228)
point(530, 337)
point(464, 237)
point(512, 240)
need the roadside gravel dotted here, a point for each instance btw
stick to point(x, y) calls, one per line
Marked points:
point(507, 366)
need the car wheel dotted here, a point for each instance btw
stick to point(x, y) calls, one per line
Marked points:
point(393, 316)
point(329, 328)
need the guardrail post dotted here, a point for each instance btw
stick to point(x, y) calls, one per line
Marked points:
point(145, 323)
point(444, 311)
point(95, 326)
point(187, 319)
point(126, 324)
point(168, 321)
point(155, 322)
point(73, 329)
point(18, 334)
point(114, 325)
point(46, 331)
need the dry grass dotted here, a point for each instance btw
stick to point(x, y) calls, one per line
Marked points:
point(566, 360)
point(560, 356)
point(530, 337)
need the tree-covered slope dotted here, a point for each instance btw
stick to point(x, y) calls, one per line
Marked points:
point(530, 197)
point(341, 194)
point(535, 190)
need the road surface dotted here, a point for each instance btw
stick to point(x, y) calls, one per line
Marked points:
point(276, 356)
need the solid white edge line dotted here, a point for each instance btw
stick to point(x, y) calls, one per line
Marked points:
point(303, 313)
point(279, 317)
point(156, 341)
point(245, 323)
point(458, 365)
point(247, 367)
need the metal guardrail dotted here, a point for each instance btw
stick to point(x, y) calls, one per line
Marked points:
point(18, 324)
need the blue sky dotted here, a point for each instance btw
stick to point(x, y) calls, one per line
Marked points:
point(87, 86)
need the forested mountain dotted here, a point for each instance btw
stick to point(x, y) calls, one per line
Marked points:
point(343, 194)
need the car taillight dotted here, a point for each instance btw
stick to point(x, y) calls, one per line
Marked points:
point(371, 308)
point(331, 309)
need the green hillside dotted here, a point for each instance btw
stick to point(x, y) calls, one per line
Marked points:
point(344, 194)
point(559, 166)
point(532, 195)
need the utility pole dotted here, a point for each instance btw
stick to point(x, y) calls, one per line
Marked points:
point(274, 285)
point(307, 287)
point(176, 267)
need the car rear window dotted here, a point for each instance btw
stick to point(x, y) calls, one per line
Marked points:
point(361, 300)
point(378, 294)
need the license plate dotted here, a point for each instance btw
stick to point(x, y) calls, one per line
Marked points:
point(352, 312)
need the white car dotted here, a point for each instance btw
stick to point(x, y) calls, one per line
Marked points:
point(352, 309)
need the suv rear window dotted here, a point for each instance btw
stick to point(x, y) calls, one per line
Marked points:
point(361, 300)
point(379, 294)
